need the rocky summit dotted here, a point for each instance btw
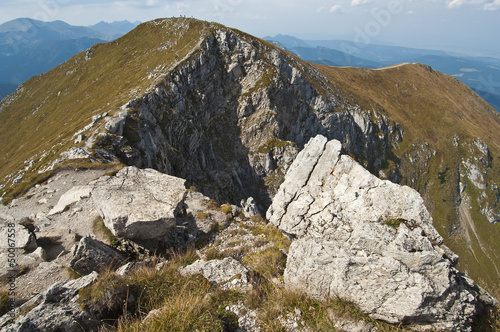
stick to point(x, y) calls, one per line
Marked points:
point(150, 162)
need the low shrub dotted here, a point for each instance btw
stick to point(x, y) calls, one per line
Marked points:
point(202, 215)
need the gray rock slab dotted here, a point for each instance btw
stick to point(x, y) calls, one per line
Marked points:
point(92, 255)
point(139, 204)
point(55, 309)
point(72, 196)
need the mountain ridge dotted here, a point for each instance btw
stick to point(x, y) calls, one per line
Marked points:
point(229, 112)
point(479, 73)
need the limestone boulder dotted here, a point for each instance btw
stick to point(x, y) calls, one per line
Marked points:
point(368, 241)
point(139, 204)
point(72, 196)
point(92, 255)
point(250, 208)
point(15, 235)
point(228, 273)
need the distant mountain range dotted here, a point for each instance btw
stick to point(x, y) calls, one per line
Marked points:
point(29, 47)
point(482, 74)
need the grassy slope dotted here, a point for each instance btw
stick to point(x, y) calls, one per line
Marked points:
point(53, 106)
point(432, 107)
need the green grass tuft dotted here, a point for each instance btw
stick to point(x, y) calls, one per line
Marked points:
point(99, 228)
point(273, 143)
point(106, 298)
point(212, 254)
point(4, 302)
point(226, 208)
point(394, 223)
point(183, 303)
point(72, 274)
point(202, 215)
point(272, 234)
point(269, 262)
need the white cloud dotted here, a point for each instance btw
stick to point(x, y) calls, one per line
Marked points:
point(257, 17)
point(359, 2)
point(459, 3)
point(320, 9)
point(468, 70)
point(337, 9)
point(492, 5)
point(455, 3)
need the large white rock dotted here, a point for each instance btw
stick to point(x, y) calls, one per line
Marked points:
point(368, 241)
point(139, 204)
point(72, 196)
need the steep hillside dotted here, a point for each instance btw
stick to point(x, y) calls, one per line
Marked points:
point(229, 112)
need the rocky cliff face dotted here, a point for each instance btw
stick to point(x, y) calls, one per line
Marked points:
point(226, 122)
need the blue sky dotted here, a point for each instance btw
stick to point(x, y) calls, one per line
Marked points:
point(466, 26)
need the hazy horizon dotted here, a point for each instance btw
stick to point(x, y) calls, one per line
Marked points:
point(461, 26)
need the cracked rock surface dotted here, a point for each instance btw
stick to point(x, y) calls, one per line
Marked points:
point(368, 241)
point(121, 202)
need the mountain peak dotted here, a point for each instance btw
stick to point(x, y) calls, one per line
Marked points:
point(288, 41)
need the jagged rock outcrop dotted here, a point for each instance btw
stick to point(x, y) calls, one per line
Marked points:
point(475, 171)
point(56, 309)
point(250, 209)
point(92, 255)
point(368, 241)
point(138, 204)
